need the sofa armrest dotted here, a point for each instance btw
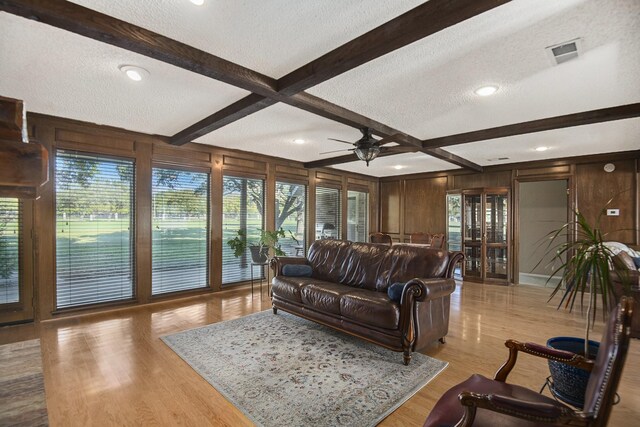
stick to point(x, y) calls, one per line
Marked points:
point(454, 258)
point(277, 262)
point(426, 289)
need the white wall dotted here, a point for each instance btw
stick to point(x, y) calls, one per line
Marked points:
point(542, 208)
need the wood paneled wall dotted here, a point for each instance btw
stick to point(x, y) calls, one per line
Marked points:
point(148, 151)
point(414, 203)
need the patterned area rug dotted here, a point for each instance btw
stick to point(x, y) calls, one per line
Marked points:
point(281, 370)
point(22, 400)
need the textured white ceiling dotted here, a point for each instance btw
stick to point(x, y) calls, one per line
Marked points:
point(385, 166)
point(273, 37)
point(59, 73)
point(622, 135)
point(424, 89)
point(272, 131)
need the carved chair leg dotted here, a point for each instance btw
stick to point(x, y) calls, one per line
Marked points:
point(406, 357)
point(442, 340)
point(275, 310)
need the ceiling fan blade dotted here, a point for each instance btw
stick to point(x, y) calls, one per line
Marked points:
point(340, 140)
point(337, 151)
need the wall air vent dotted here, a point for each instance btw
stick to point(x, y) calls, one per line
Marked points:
point(565, 51)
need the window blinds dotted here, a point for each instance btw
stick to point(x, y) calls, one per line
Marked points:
point(180, 207)
point(10, 244)
point(94, 229)
point(242, 209)
point(328, 213)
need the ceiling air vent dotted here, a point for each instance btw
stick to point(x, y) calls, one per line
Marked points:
point(564, 52)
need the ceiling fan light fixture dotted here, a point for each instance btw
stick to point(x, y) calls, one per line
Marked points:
point(366, 154)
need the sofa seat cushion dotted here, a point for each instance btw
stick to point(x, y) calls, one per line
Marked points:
point(370, 308)
point(290, 288)
point(324, 296)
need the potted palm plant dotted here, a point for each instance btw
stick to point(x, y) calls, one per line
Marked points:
point(585, 271)
point(259, 248)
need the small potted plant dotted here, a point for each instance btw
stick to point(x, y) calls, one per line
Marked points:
point(259, 248)
point(585, 268)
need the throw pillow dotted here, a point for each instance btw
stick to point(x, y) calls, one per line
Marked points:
point(395, 291)
point(297, 270)
point(636, 261)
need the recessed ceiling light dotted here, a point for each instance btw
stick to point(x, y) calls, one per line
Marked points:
point(299, 141)
point(542, 148)
point(197, 2)
point(134, 73)
point(486, 90)
point(398, 167)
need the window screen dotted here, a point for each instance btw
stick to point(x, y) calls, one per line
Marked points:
point(291, 203)
point(357, 216)
point(180, 209)
point(94, 229)
point(328, 213)
point(10, 241)
point(242, 209)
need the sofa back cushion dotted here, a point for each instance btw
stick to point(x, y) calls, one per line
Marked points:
point(407, 262)
point(374, 267)
point(326, 258)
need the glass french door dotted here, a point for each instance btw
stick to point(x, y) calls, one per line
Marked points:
point(16, 262)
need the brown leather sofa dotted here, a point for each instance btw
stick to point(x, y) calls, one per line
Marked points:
point(348, 291)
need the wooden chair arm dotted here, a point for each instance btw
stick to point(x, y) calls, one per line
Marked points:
point(538, 412)
point(566, 357)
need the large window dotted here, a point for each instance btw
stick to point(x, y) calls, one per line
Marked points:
point(357, 216)
point(94, 229)
point(328, 213)
point(10, 235)
point(291, 202)
point(180, 246)
point(242, 209)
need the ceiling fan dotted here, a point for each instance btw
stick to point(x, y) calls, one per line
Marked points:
point(367, 148)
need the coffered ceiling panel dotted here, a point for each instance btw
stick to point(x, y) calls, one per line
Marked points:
point(273, 131)
point(273, 37)
point(622, 135)
point(399, 164)
point(427, 88)
point(59, 73)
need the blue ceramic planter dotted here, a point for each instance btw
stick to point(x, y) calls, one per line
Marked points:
point(570, 382)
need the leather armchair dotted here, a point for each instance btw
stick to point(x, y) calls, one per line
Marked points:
point(480, 401)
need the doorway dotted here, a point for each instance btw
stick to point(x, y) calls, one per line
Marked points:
point(543, 208)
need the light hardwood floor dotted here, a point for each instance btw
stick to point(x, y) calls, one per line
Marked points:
point(112, 369)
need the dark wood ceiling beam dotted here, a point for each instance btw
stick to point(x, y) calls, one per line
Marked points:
point(418, 23)
point(98, 26)
point(239, 109)
point(569, 120)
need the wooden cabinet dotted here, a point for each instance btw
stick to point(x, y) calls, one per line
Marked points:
point(483, 215)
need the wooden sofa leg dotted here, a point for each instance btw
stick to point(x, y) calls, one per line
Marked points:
point(442, 340)
point(275, 310)
point(406, 357)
